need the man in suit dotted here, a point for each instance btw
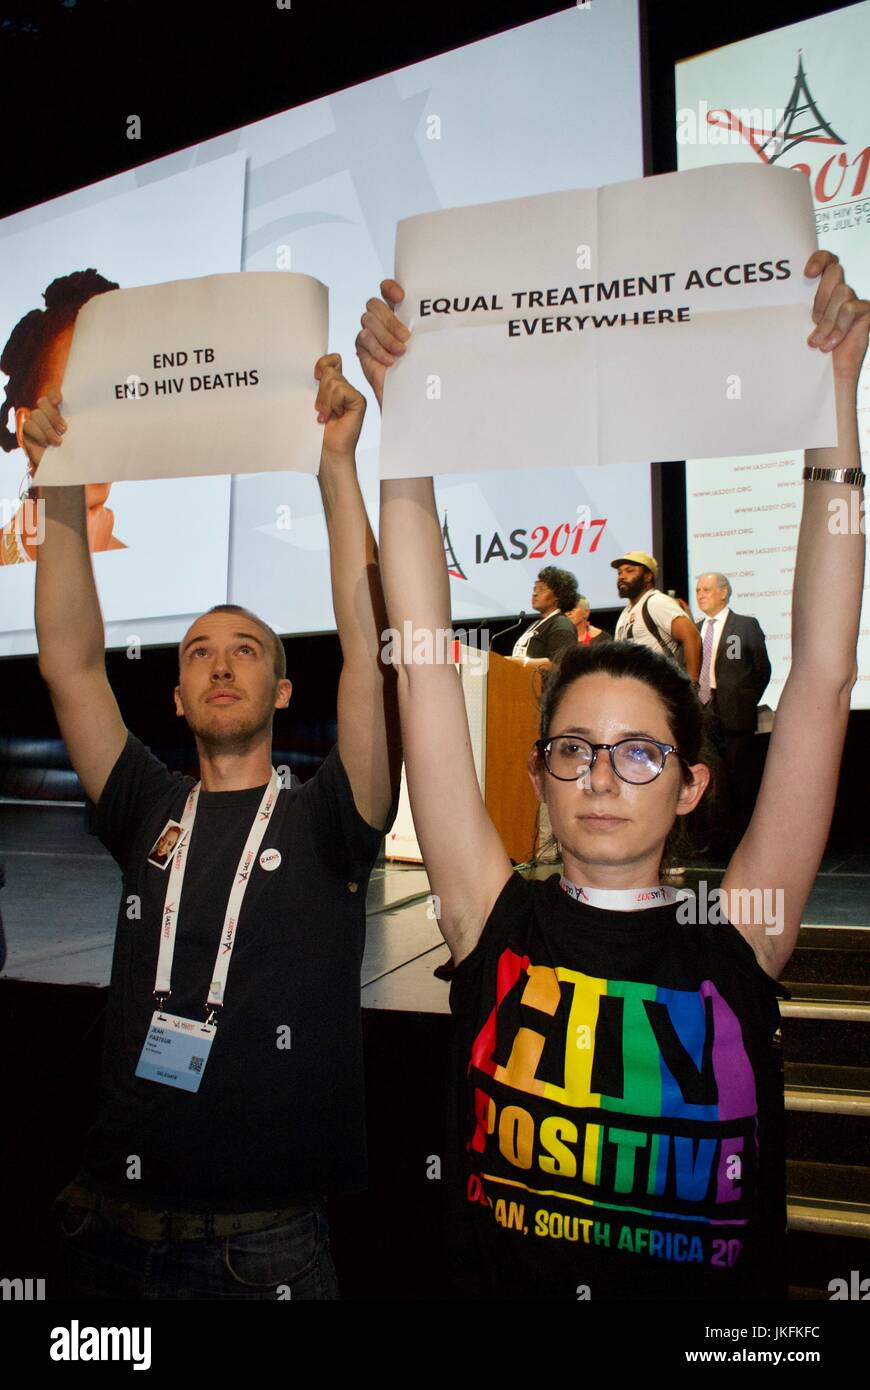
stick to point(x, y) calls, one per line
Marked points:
point(735, 670)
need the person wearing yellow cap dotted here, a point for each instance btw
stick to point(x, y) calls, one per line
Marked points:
point(652, 617)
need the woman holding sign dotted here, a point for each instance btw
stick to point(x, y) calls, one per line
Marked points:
point(620, 1097)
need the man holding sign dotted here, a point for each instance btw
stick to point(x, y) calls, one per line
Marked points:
point(231, 1096)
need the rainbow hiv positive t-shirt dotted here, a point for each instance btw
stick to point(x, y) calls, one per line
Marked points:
point(620, 1118)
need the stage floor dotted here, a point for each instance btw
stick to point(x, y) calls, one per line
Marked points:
point(60, 905)
point(62, 888)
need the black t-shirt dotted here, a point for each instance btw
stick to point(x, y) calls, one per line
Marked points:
point(619, 1115)
point(278, 1113)
point(552, 637)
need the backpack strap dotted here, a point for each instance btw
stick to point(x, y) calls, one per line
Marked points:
point(652, 627)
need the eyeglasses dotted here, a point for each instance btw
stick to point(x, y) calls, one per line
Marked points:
point(634, 760)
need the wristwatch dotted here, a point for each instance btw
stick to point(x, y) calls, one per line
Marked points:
point(853, 476)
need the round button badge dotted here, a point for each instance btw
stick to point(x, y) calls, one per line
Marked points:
point(270, 859)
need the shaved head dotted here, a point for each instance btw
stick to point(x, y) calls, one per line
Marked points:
point(272, 640)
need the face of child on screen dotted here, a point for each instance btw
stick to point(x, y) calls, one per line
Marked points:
point(52, 370)
point(612, 831)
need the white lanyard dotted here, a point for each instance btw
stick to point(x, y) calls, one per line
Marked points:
point(172, 901)
point(521, 645)
point(621, 899)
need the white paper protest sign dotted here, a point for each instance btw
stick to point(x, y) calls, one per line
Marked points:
point(193, 377)
point(663, 318)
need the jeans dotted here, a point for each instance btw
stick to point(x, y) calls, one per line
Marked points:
point(292, 1261)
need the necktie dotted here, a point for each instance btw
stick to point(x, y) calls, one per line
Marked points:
point(704, 690)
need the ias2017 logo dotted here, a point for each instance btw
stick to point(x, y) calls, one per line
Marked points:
point(541, 543)
point(772, 135)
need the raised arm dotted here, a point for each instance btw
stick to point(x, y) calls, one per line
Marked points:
point(368, 717)
point(774, 866)
point(464, 856)
point(69, 624)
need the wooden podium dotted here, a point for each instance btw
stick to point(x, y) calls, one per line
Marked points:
point(503, 717)
point(512, 719)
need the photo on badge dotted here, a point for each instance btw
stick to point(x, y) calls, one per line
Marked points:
point(167, 842)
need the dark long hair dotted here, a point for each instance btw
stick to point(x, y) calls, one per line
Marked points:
point(563, 584)
point(683, 710)
point(23, 355)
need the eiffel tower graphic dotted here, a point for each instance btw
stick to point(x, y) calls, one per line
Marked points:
point(453, 565)
point(801, 108)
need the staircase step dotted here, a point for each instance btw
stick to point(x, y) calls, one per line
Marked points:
point(814, 1262)
point(834, 1090)
point(828, 1199)
point(828, 1137)
point(825, 1034)
point(831, 944)
point(829, 1182)
point(828, 1226)
point(822, 993)
point(829, 1218)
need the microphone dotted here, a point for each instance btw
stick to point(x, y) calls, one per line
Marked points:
point(505, 631)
